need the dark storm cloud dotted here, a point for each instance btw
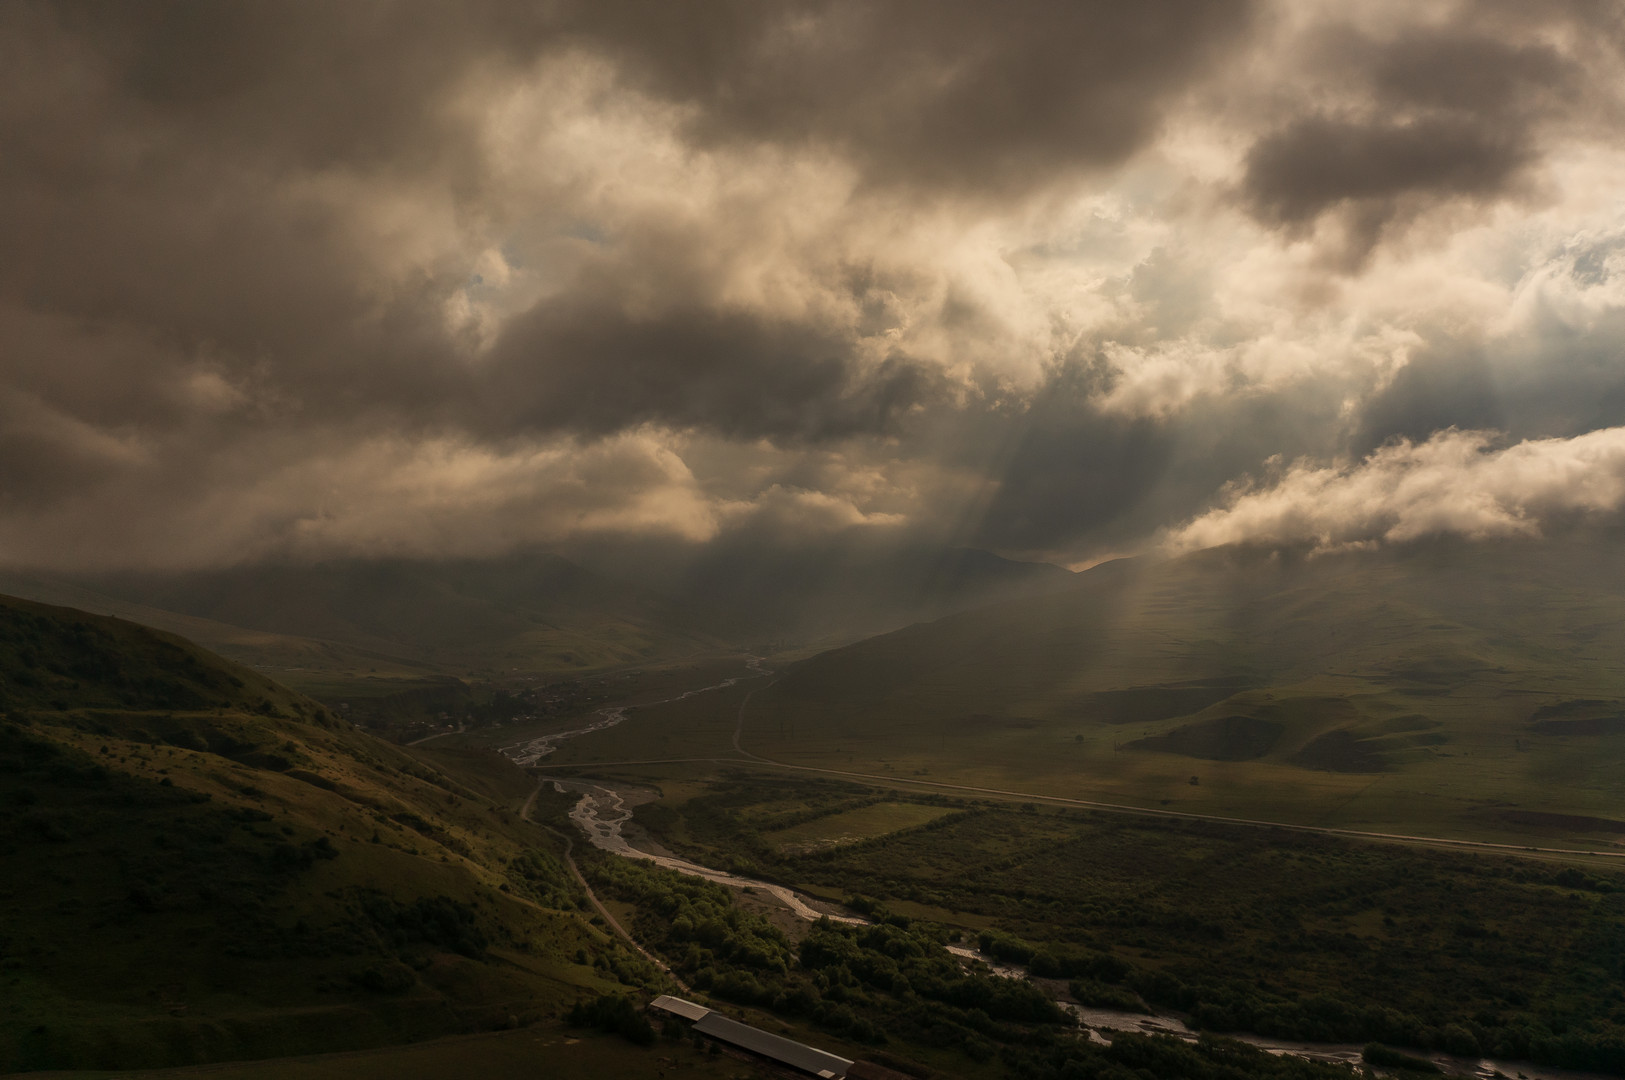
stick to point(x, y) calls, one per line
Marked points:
point(151, 210)
point(155, 155)
point(953, 94)
point(1321, 161)
point(592, 368)
point(1072, 480)
point(1443, 388)
point(1071, 470)
point(1434, 113)
point(1079, 481)
point(1485, 76)
point(303, 82)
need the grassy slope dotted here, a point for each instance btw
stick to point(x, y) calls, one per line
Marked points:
point(1370, 690)
point(506, 1055)
point(202, 865)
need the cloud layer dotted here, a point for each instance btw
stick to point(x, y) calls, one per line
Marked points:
point(294, 280)
point(1455, 484)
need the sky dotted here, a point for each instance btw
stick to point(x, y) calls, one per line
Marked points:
point(1065, 281)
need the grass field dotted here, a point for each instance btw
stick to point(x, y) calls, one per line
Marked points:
point(851, 826)
point(546, 1050)
point(1483, 787)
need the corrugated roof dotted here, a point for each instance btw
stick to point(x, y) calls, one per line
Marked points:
point(678, 1007)
point(787, 1051)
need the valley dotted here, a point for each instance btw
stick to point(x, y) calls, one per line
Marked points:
point(1310, 844)
point(852, 539)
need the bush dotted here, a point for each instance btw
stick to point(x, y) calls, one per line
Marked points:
point(430, 920)
point(1100, 996)
point(387, 977)
point(615, 1014)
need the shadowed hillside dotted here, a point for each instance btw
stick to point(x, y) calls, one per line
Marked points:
point(523, 612)
point(203, 865)
point(839, 594)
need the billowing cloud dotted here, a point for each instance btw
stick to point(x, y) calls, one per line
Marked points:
point(295, 280)
point(560, 366)
point(956, 95)
point(1456, 483)
point(1319, 162)
point(1462, 108)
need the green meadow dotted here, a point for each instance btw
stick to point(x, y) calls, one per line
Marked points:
point(851, 826)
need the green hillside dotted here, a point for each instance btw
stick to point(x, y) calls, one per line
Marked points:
point(1478, 686)
point(203, 865)
point(297, 661)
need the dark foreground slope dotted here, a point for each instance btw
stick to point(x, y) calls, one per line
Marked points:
point(1482, 683)
point(202, 865)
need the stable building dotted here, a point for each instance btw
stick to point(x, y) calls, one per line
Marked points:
point(764, 1044)
point(676, 1006)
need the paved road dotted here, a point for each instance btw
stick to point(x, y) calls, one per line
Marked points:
point(438, 735)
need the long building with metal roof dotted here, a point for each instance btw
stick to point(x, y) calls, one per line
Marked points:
point(676, 1006)
point(773, 1047)
point(808, 1059)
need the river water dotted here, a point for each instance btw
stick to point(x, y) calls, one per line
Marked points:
point(603, 811)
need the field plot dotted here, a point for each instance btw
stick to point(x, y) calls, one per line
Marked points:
point(850, 826)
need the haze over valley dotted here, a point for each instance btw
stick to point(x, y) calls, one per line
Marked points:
point(881, 539)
